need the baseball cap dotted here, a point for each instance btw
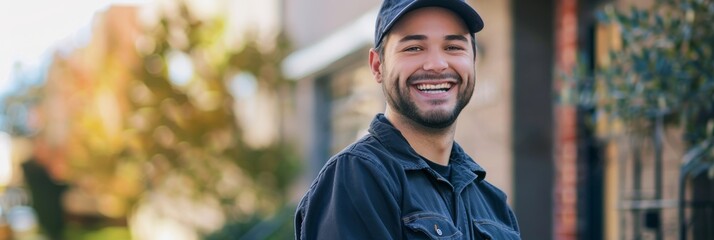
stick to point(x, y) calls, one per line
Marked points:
point(392, 10)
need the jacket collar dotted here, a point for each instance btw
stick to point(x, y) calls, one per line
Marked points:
point(391, 137)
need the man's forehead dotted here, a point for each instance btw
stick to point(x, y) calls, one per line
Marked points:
point(422, 37)
point(423, 20)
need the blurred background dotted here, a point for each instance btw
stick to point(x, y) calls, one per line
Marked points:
point(187, 119)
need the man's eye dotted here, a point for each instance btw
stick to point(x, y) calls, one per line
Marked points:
point(454, 48)
point(413, 49)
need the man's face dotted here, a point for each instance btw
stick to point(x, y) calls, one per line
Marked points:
point(427, 72)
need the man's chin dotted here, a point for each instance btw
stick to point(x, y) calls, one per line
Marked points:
point(437, 120)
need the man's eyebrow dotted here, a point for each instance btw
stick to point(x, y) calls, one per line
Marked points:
point(418, 37)
point(456, 37)
point(412, 37)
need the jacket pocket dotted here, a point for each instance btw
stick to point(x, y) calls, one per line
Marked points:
point(490, 230)
point(433, 225)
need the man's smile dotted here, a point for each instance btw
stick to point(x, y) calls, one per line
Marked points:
point(434, 87)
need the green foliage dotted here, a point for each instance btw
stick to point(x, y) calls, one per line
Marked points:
point(666, 61)
point(103, 233)
point(177, 134)
point(191, 128)
point(665, 68)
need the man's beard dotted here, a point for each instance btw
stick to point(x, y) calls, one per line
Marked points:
point(401, 101)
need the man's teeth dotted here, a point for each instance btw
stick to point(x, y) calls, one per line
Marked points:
point(441, 87)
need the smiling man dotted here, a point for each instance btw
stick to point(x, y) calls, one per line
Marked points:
point(408, 178)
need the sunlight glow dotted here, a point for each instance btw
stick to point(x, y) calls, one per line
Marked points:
point(5, 159)
point(33, 29)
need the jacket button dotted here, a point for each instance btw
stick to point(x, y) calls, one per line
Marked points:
point(438, 231)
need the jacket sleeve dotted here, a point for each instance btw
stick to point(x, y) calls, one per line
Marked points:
point(352, 198)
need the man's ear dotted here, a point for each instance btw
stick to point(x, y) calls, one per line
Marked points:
point(375, 64)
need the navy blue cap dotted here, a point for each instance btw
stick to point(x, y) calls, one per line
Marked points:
point(392, 10)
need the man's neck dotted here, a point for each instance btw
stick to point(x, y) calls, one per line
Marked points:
point(433, 144)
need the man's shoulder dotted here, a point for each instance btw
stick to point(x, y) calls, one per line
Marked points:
point(365, 158)
point(368, 146)
point(367, 150)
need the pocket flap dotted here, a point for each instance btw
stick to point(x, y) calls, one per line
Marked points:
point(493, 230)
point(434, 225)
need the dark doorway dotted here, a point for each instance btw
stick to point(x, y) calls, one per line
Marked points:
point(533, 32)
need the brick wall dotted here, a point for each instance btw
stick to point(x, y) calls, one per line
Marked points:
point(565, 199)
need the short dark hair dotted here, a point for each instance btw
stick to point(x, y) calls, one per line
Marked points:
point(380, 49)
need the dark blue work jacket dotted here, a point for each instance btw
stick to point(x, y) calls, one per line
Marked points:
point(380, 188)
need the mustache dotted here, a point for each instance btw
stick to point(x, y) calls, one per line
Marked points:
point(433, 76)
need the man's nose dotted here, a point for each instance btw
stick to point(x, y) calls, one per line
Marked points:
point(435, 62)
